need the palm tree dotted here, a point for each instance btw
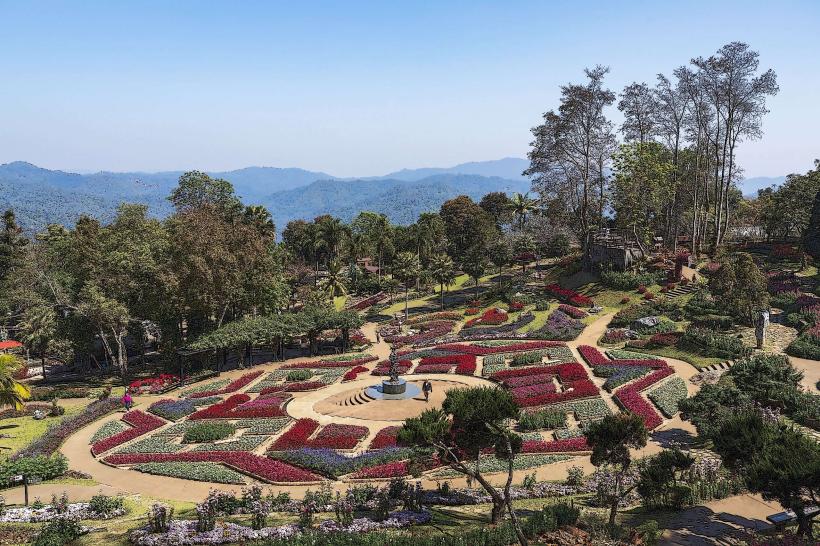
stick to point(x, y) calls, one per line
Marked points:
point(522, 205)
point(259, 217)
point(383, 238)
point(335, 280)
point(406, 268)
point(443, 271)
point(38, 328)
point(12, 392)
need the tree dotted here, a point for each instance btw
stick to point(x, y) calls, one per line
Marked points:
point(12, 252)
point(196, 189)
point(471, 422)
point(776, 461)
point(259, 217)
point(522, 206)
point(571, 150)
point(659, 476)
point(475, 266)
point(498, 206)
point(443, 271)
point(640, 112)
point(611, 439)
point(739, 286)
point(406, 268)
point(38, 328)
point(524, 245)
point(811, 239)
point(335, 281)
point(12, 392)
point(500, 254)
point(466, 226)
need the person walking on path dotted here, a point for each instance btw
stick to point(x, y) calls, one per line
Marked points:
point(127, 401)
point(427, 388)
point(378, 338)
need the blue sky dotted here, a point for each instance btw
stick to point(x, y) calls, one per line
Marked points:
point(360, 88)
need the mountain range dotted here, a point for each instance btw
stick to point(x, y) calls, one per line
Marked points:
point(41, 196)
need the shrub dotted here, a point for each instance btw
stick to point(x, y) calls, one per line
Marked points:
point(624, 300)
point(105, 505)
point(207, 432)
point(60, 531)
point(43, 467)
point(712, 343)
point(575, 475)
point(542, 419)
point(627, 280)
point(664, 340)
point(299, 375)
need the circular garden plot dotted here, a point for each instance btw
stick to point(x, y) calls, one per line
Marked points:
point(308, 422)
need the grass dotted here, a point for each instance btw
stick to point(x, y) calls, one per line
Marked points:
point(24, 430)
point(696, 360)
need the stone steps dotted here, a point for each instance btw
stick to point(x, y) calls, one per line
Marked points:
point(721, 366)
point(357, 399)
point(680, 290)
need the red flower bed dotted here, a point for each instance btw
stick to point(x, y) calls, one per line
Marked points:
point(296, 436)
point(330, 363)
point(492, 316)
point(430, 330)
point(503, 375)
point(523, 381)
point(569, 371)
point(335, 436)
point(240, 406)
point(570, 296)
point(528, 391)
point(472, 311)
point(555, 446)
point(395, 469)
point(153, 384)
point(452, 360)
point(665, 340)
point(233, 386)
point(574, 312)
point(386, 437)
point(221, 409)
point(478, 350)
point(350, 375)
point(433, 368)
point(595, 358)
point(384, 367)
point(466, 368)
point(632, 401)
point(142, 423)
point(262, 468)
point(581, 389)
point(516, 306)
point(369, 301)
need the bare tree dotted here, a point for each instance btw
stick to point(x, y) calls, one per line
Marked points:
point(640, 112)
point(670, 112)
point(571, 151)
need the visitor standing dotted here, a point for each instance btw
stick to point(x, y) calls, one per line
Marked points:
point(427, 388)
point(127, 401)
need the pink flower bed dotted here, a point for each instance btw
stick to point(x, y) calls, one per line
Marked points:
point(574, 312)
point(330, 363)
point(525, 380)
point(429, 330)
point(350, 375)
point(142, 423)
point(453, 360)
point(296, 436)
point(384, 366)
point(466, 368)
point(581, 389)
point(153, 384)
point(478, 350)
point(262, 468)
point(369, 301)
point(395, 469)
point(233, 386)
point(433, 368)
point(240, 406)
point(555, 446)
point(336, 436)
point(570, 296)
point(595, 358)
point(503, 375)
point(528, 391)
point(386, 437)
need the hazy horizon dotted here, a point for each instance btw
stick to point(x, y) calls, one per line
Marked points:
point(361, 89)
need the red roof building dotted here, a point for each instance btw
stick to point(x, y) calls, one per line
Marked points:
point(9, 344)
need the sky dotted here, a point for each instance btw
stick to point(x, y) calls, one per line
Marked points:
point(361, 88)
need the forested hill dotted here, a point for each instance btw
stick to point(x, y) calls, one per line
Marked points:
point(400, 200)
point(42, 196)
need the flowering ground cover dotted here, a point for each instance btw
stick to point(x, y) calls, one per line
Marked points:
point(527, 391)
point(296, 436)
point(336, 436)
point(667, 396)
point(481, 350)
point(233, 386)
point(384, 367)
point(491, 464)
point(262, 468)
point(555, 446)
point(492, 316)
point(263, 426)
point(570, 296)
point(203, 472)
point(332, 464)
point(561, 326)
point(433, 368)
point(352, 374)
point(347, 363)
point(248, 442)
point(395, 469)
point(524, 380)
point(153, 384)
point(297, 386)
point(141, 423)
point(205, 387)
point(153, 444)
point(427, 332)
point(232, 408)
point(107, 430)
point(386, 437)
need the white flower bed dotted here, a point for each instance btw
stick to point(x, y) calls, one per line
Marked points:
point(669, 395)
point(76, 510)
point(183, 532)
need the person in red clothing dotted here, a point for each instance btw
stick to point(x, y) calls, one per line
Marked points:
point(127, 401)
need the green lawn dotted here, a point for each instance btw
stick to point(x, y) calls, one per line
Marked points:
point(23, 430)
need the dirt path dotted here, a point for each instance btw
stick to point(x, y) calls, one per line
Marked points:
point(811, 372)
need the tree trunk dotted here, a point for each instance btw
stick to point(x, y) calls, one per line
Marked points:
point(442, 296)
point(508, 500)
point(406, 300)
point(43, 364)
point(613, 511)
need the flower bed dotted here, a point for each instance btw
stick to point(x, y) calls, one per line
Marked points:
point(481, 350)
point(623, 375)
point(568, 445)
point(433, 368)
point(172, 410)
point(667, 396)
point(235, 408)
point(331, 363)
point(258, 467)
point(429, 330)
point(352, 374)
point(580, 389)
point(154, 444)
point(107, 430)
point(299, 386)
point(142, 423)
point(574, 312)
point(570, 296)
point(595, 358)
point(631, 400)
point(591, 409)
point(243, 443)
point(263, 426)
point(156, 384)
point(202, 472)
point(336, 436)
point(526, 380)
point(386, 437)
point(383, 367)
point(492, 316)
point(233, 386)
point(369, 301)
point(395, 469)
point(296, 436)
point(520, 393)
point(334, 465)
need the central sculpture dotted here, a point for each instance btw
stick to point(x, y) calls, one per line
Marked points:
point(395, 387)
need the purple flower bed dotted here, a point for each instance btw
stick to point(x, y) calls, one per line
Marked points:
point(476, 331)
point(533, 390)
point(172, 410)
point(561, 327)
point(51, 440)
